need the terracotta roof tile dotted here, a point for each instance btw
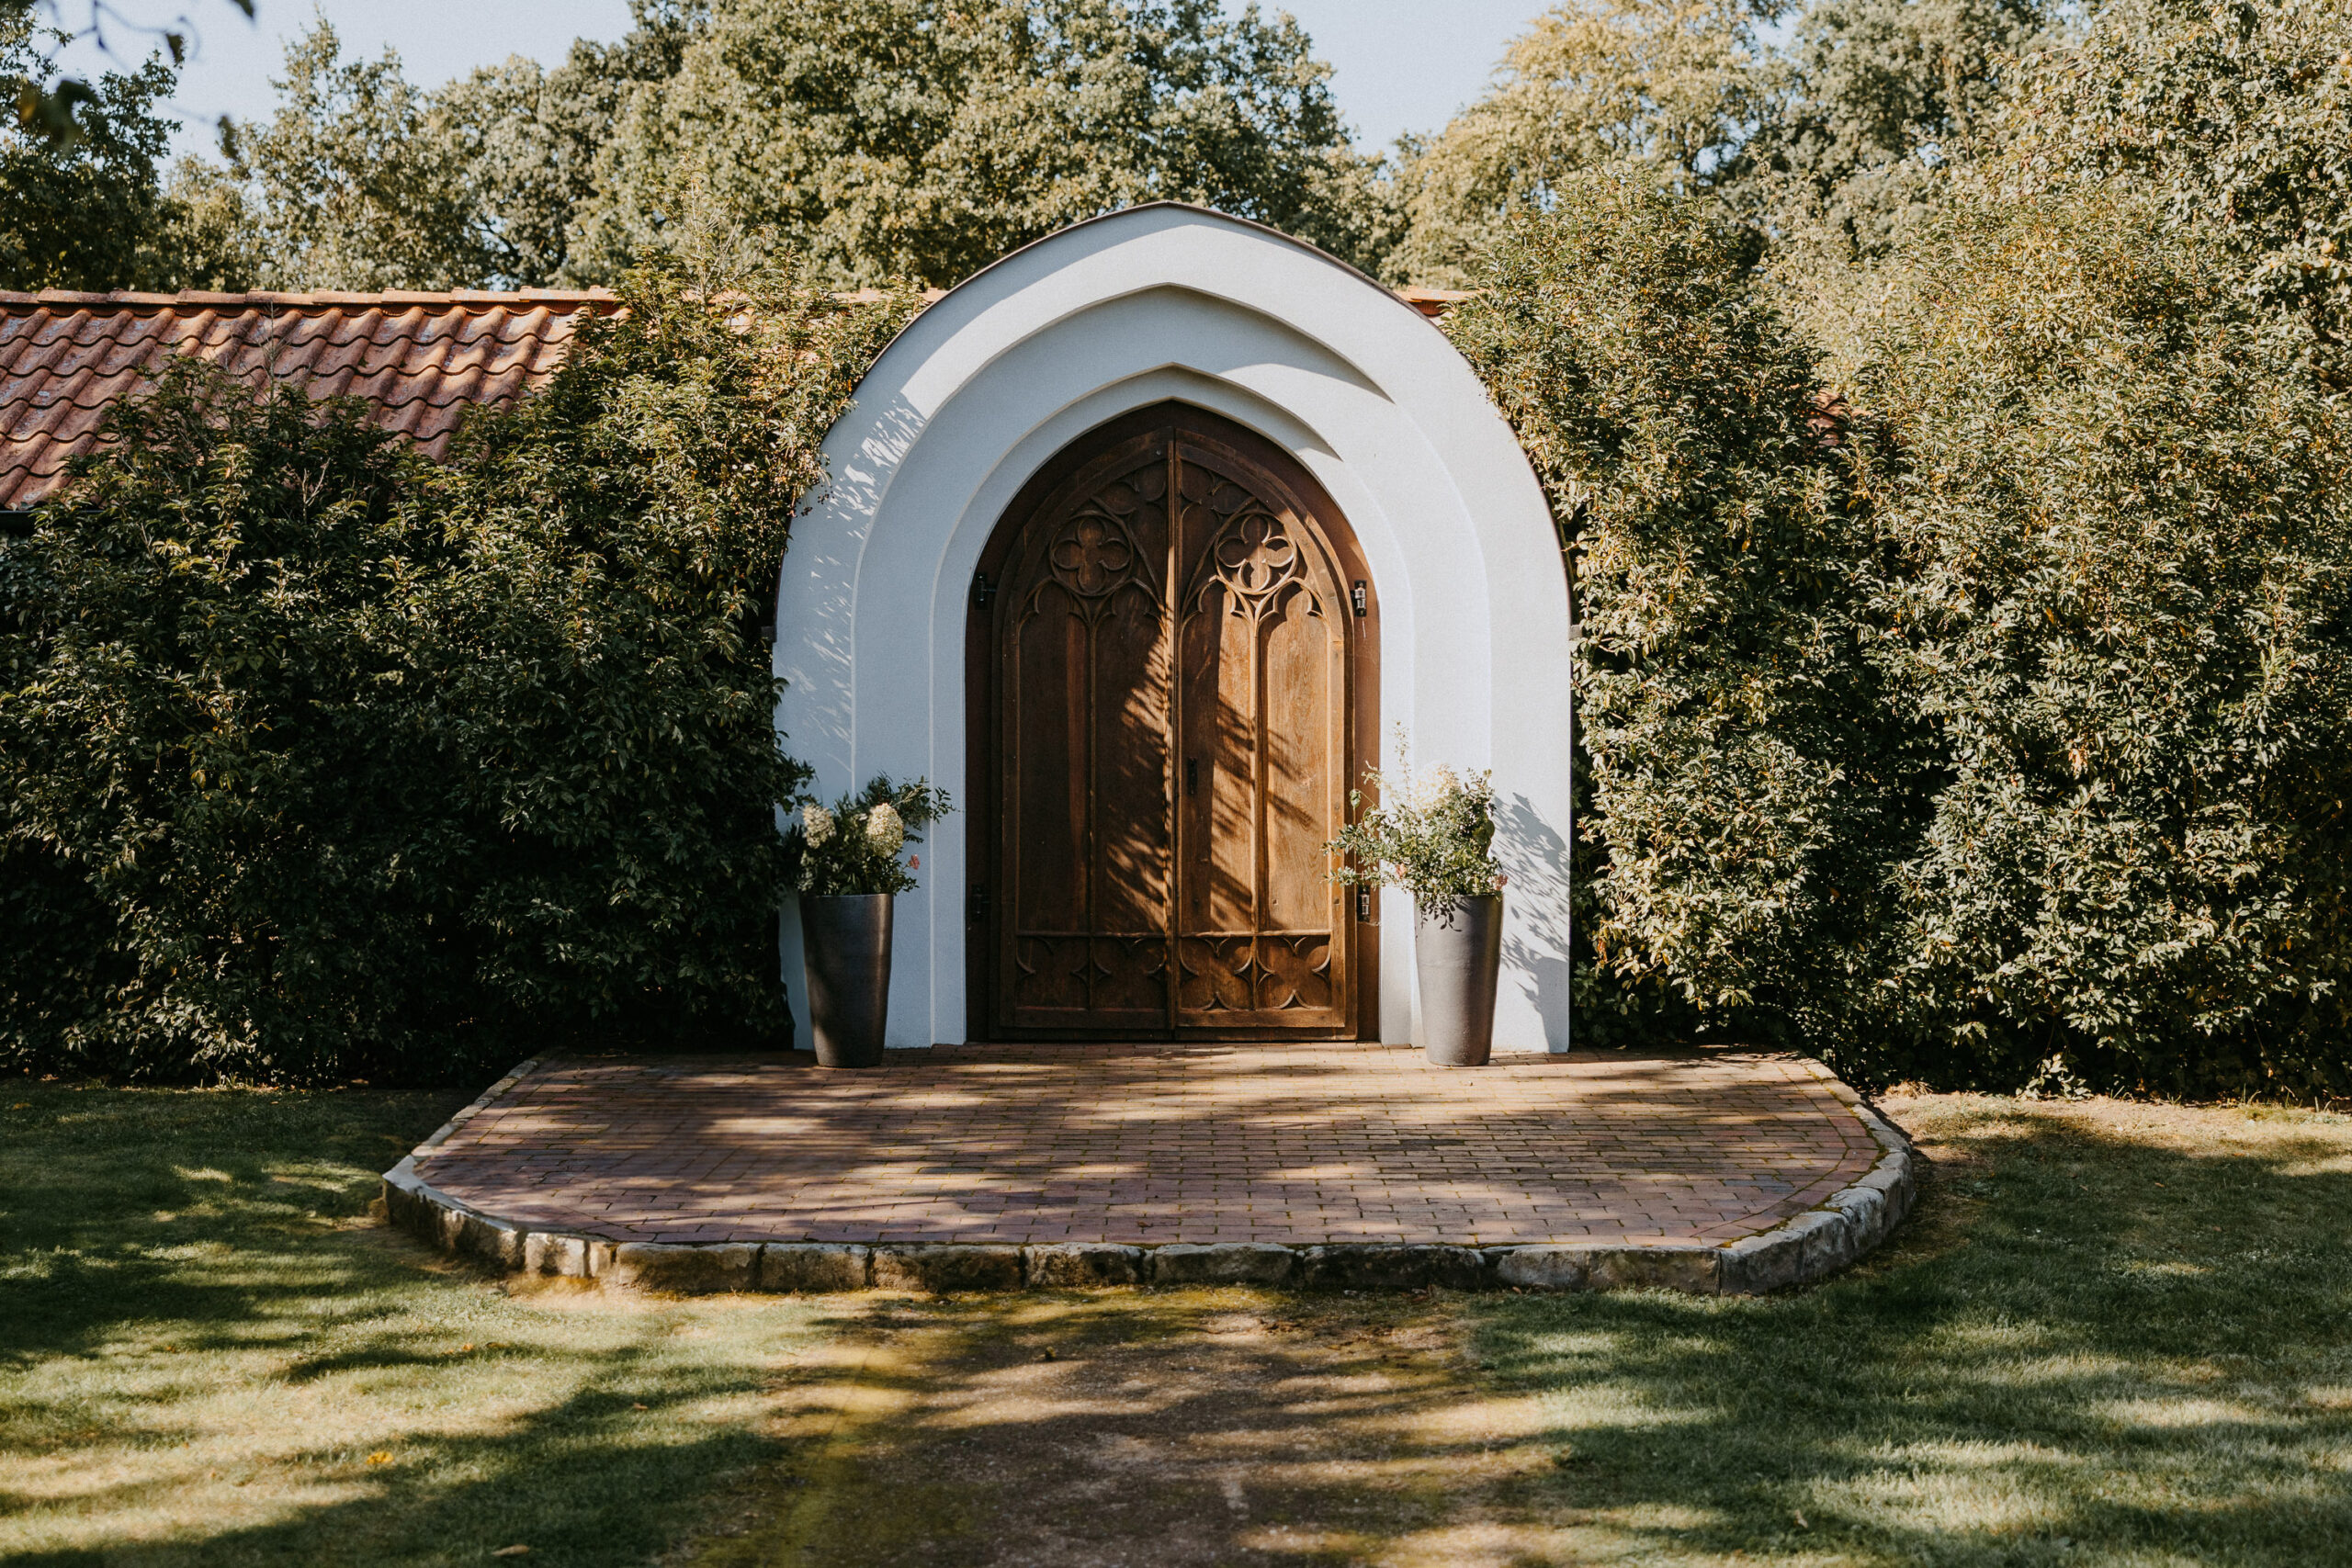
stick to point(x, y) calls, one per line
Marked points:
point(422, 359)
point(1434, 302)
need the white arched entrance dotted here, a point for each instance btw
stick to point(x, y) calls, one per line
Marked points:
point(1143, 307)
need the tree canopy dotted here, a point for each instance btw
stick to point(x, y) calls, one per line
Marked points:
point(84, 203)
point(909, 138)
point(2235, 118)
point(881, 139)
point(1672, 85)
point(1967, 595)
point(1878, 97)
point(47, 101)
point(1832, 135)
point(917, 138)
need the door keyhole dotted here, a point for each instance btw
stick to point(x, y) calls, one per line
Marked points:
point(1192, 778)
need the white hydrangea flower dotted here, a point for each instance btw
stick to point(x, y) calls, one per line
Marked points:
point(816, 823)
point(883, 825)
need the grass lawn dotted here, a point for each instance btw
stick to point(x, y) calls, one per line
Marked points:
point(209, 1354)
point(2116, 1334)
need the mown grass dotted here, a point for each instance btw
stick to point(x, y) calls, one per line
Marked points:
point(209, 1355)
point(2116, 1335)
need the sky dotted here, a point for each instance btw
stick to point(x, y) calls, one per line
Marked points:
point(1398, 65)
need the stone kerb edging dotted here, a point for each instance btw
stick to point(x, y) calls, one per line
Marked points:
point(1819, 1242)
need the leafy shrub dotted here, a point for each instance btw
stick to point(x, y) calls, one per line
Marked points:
point(360, 763)
point(2117, 510)
point(2232, 118)
point(1746, 786)
point(2002, 730)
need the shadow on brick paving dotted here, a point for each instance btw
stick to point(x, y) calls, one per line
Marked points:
point(1026, 1145)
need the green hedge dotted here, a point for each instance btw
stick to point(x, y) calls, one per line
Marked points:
point(322, 760)
point(2002, 729)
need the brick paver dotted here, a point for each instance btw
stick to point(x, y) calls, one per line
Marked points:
point(1030, 1144)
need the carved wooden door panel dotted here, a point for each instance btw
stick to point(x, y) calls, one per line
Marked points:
point(1087, 846)
point(1261, 722)
point(1168, 638)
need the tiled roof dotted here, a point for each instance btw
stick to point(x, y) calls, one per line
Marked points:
point(1432, 302)
point(421, 359)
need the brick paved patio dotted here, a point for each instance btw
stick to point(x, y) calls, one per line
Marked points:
point(1146, 1144)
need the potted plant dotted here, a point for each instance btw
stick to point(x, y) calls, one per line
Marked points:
point(845, 862)
point(1433, 835)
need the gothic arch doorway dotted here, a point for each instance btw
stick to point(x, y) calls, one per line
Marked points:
point(1173, 683)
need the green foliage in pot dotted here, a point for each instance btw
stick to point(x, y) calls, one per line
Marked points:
point(1433, 834)
point(852, 847)
point(317, 757)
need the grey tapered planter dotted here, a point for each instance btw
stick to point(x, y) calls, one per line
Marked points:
point(847, 945)
point(1457, 956)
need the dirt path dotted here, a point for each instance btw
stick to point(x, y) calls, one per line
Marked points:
point(1127, 1431)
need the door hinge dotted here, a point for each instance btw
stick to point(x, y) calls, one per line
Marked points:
point(977, 905)
point(982, 589)
point(1364, 905)
point(1360, 599)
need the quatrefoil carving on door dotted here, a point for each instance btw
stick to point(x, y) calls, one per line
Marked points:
point(1093, 556)
point(1255, 558)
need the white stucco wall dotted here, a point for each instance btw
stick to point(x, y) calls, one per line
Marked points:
point(1154, 303)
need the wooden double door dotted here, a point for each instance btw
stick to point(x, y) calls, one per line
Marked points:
point(1172, 683)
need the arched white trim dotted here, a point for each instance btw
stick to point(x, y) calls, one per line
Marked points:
point(1153, 303)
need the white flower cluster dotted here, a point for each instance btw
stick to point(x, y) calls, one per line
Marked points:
point(883, 825)
point(1434, 789)
point(816, 823)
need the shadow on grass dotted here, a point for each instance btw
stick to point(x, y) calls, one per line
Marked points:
point(570, 1483)
point(122, 1206)
point(1156, 1429)
point(208, 1355)
point(2097, 1344)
